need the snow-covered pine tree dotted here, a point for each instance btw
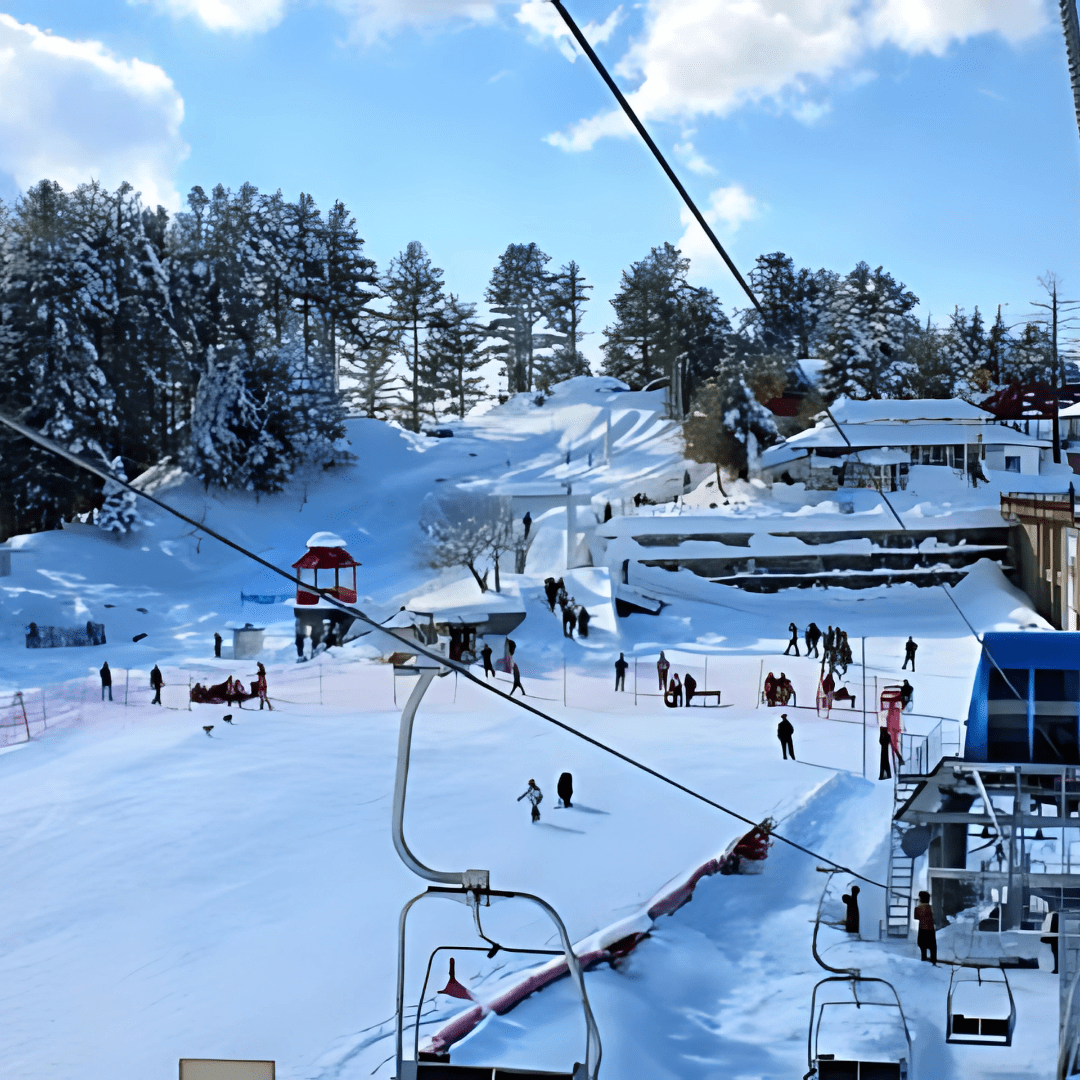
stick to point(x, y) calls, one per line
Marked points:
point(1031, 357)
point(932, 364)
point(414, 290)
point(454, 346)
point(703, 340)
point(316, 414)
point(119, 511)
point(568, 297)
point(520, 294)
point(965, 355)
point(371, 386)
point(643, 343)
point(870, 321)
point(794, 305)
point(999, 343)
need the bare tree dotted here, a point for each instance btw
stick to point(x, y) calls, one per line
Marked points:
point(465, 529)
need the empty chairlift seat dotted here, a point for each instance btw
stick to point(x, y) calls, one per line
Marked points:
point(980, 1010)
point(858, 1031)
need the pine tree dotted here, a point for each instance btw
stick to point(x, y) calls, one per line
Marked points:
point(644, 342)
point(371, 384)
point(870, 322)
point(455, 348)
point(119, 511)
point(568, 297)
point(1030, 358)
point(414, 288)
point(794, 305)
point(934, 370)
point(704, 343)
point(520, 292)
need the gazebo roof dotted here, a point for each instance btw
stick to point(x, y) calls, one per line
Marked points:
point(325, 558)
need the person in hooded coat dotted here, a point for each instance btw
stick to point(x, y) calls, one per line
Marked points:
point(106, 680)
point(485, 654)
point(565, 788)
point(885, 742)
point(689, 685)
point(583, 622)
point(157, 682)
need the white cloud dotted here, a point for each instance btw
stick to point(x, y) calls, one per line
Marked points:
point(235, 15)
point(693, 159)
point(73, 111)
point(711, 57)
point(727, 209)
point(545, 22)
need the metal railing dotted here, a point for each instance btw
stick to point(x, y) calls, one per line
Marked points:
point(921, 753)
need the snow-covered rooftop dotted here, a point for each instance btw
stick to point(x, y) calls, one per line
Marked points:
point(894, 411)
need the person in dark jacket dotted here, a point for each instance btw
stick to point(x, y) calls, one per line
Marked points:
point(583, 618)
point(485, 654)
point(565, 788)
point(907, 692)
point(689, 686)
point(927, 939)
point(620, 672)
point(217, 646)
point(675, 690)
point(607, 511)
point(106, 680)
point(909, 653)
point(550, 591)
point(517, 682)
point(527, 522)
point(784, 732)
point(885, 742)
point(851, 902)
point(569, 618)
point(793, 630)
point(157, 682)
point(813, 636)
point(1050, 925)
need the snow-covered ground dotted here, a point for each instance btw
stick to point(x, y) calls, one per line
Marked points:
point(167, 894)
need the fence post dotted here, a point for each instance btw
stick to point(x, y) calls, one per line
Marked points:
point(44, 718)
point(635, 680)
point(320, 684)
point(564, 682)
point(864, 706)
point(706, 671)
point(127, 680)
point(189, 693)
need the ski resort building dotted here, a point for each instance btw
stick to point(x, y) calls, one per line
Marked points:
point(874, 444)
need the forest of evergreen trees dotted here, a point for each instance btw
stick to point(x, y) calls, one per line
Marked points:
point(235, 337)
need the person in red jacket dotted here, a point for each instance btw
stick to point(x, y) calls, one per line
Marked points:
point(927, 939)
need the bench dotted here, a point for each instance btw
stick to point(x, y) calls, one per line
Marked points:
point(705, 694)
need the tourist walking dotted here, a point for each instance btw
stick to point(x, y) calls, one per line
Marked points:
point(106, 680)
point(535, 797)
point(909, 654)
point(157, 682)
point(793, 630)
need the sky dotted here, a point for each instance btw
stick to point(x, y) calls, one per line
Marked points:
point(936, 138)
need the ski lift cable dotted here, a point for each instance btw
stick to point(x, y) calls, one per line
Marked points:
point(580, 38)
point(941, 585)
point(413, 646)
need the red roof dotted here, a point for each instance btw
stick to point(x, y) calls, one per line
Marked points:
point(1035, 401)
point(325, 558)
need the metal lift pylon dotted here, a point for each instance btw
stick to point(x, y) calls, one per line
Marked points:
point(472, 888)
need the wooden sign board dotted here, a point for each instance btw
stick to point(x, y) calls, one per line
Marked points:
point(219, 1069)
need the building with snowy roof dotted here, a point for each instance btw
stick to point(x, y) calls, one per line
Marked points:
point(874, 444)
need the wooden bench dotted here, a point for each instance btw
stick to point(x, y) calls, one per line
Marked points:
point(705, 694)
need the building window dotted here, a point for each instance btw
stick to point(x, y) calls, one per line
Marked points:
point(1012, 464)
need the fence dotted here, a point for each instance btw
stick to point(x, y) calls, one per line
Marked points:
point(922, 753)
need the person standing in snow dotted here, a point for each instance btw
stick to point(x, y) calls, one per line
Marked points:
point(813, 636)
point(885, 742)
point(569, 618)
point(565, 789)
point(217, 645)
point(561, 595)
point(517, 681)
point(927, 939)
point(535, 796)
point(260, 689)
point(620, 672)
point(485, 654)
point(607, 511)
point(583, 622)
point(793, 630)
point(106, 680)
point(784, 732)
point(907, 692)
point(689, 685)
point(157, 682)
point(828, 646)
point(662, 667)
point(851, 902)
point(675, 690)
point(527, 522)
point(550, 589)
point(909, 653)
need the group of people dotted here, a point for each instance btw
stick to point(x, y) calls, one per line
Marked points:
point(836, 649)
point(564, 788)
point(232, 691)
point(777, 691)
point(672, 689)
point(574, 615)
point(157, 681)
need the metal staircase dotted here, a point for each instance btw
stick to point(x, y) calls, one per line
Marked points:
point(901, 871)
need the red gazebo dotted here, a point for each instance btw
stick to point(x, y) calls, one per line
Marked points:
point(326, 552)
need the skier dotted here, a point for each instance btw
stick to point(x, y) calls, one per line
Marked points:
point(217, 646)
point(527, 522)
point(927, 939)
point(675, 690)
point(583, 622)
point(485, 653)
point(884, 740)
point(517, 682)
point(851, 902)
point(907, 692)
point(535, 796)
point(793, 630)
point(909, 653)
point(106, 680)
point(690, 683)
point(813, 636)
point(550, 589)
point(565, 789)
point(662, 667)
point(157, 682)
point(620, 672)
point(260, 689)
point(784, 732)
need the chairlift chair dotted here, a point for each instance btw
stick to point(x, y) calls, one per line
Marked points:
point(989, 1011)
point(874, 1064)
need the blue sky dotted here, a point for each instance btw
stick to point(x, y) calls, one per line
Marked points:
point(934, 137)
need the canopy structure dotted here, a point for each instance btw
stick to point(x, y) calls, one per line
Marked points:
point(325, 551)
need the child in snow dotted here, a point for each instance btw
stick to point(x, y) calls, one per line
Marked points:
point(535, 796)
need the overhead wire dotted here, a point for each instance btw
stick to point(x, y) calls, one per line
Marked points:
point(411, 644)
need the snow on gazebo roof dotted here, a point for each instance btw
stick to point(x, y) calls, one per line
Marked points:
point(325, 551)
point(325, 540)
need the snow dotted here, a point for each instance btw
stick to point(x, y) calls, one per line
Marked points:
point(171, 894)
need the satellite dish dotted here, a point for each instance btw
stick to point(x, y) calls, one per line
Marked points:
point(915, 841)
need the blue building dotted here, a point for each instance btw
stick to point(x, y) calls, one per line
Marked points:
point(1025, 704)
